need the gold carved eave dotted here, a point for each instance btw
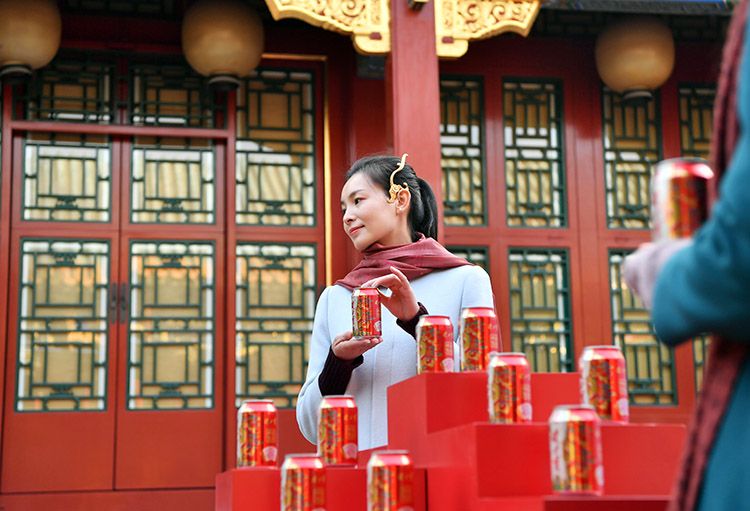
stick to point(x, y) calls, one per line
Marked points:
point(367, 21)
point(459, 21)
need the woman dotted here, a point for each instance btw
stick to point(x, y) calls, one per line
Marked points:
point(703, 285)
point(390, 215)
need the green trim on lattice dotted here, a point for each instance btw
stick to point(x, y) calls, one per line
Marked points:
point(275, 307)
point(540, 311)
point(171, 309)
point(462, 144)
point(479, 255)
point(276, 152)
point(651, 367)
point(534, 152)
point(696, 118)
point(63, 325)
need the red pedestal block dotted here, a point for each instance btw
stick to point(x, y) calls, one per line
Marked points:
point(259, 489)
point(628, 503)
point(432, 402)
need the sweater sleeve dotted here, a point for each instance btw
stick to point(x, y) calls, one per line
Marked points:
point(705, 288)
point(310, 396)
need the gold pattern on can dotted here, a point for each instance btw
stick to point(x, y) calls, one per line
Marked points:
point(576, 450)
point(434, 344)
point(257, 440)
point(604, 382)
point(366, 321)
point(479, 337)
point(390, 481)
point(509, 388)
point(679, 197)
point(337, 431)
point(303, 483)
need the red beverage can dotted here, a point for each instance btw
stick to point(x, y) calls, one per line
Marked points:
point(509, 388)
point(604, 382)
point(575, 448)
point(257, 440)
point(390, 481)
point(303, 483)
point(679, 197)
point(337, 431)
point(434, 345)
point(366, 313)
point(479, 337)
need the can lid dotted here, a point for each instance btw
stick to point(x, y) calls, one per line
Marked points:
point(434, 316)
point(303, 455)
point(508, 353)
point(348, 396)
point(391, 451)
point(257, 401)
point(572, 408)
point(603, 347)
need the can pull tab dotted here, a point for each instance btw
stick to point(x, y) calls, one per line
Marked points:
point(385, 291)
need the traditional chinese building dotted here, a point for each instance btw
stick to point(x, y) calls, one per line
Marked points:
point(164, 235)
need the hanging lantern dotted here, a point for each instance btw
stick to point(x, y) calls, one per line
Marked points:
point(222, 39)
point(29, 35)
point(635, 56)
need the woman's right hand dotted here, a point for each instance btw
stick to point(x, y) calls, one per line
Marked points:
point(346, 347)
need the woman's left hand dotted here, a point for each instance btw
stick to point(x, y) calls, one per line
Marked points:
point(402, 303)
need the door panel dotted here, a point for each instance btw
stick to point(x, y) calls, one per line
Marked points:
point(59, 427)
point(170, 421)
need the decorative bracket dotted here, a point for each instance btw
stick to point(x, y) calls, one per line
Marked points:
point(459, 21)
point(367, 21)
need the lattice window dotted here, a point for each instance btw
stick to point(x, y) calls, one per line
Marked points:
point(71, 90)
point(651, 368)
point(632, 144)
point(171, 325)
point(540, 308)
point(170, 95)
point(173, 181)
point(275, 156)
point(62, 326)
point(696, 119)
point(462, 148)
point(276, 294)
point(67, 177)
point(476, 255)
point(534, 160)
point(696, 128)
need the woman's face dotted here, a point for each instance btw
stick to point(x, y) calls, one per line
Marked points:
point(369, 218)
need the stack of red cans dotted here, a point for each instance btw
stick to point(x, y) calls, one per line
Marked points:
point(303, 483)
point(509, 388)
point(257, 440)
point(479, 337)
point(337, 431)
point(604, 382)
point(390, 481)
point(434, 345)
point(576, 450)
point(679, 197)
point(366, 323)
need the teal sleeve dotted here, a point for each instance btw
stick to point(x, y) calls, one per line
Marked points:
point(705, 288)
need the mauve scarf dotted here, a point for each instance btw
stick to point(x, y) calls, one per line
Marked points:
point(725, 358)
point(413, 260)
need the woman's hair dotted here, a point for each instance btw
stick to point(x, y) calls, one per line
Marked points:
point(423, 210)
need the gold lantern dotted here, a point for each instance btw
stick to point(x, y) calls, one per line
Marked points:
point(29, 35)
point(222, 39)
point(635, 56)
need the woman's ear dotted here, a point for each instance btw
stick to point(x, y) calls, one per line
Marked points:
point(403, 200)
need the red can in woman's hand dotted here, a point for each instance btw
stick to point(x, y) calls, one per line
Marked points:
point(366, 323)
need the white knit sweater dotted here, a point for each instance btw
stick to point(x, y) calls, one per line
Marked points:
point(395, 359)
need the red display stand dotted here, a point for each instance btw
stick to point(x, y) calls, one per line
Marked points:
point(464, 463)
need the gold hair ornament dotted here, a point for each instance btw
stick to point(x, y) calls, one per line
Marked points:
point(395, 189)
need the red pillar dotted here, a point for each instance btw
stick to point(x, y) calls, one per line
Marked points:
point(413, 93)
